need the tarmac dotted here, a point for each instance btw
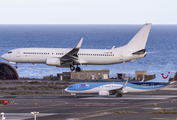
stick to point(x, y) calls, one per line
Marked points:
point(92, 107)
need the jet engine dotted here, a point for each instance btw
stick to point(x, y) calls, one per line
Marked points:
point(104, 93)
point(53, 61)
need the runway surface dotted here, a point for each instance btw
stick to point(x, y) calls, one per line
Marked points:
point(85, 107)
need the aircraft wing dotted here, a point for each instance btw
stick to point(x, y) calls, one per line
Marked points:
point(121, 90)
point(72, 56)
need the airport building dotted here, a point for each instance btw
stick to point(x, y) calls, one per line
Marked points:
point(139, 75)
point(101, 75)
point(149, 77)
point(84, 75)
point(123, 76)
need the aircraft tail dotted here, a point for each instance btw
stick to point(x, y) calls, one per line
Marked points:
point(164, 75)
point(138, 42)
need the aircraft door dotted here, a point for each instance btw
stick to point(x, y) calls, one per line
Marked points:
point(121, 56)
point(77, 87)
point(18, 53)
point(152, 85)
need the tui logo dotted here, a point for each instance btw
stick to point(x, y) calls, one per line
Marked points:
point(84, 85)
point(166, 76)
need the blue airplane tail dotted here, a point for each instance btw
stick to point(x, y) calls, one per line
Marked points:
point(164, 75)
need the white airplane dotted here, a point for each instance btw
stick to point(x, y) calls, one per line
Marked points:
point(118, 88)
point(63, 57)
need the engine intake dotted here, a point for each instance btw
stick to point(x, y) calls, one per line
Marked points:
point(53, 61)
point(104, 93)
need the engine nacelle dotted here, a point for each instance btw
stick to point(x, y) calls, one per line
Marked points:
point(104, 93)
point(53, 61)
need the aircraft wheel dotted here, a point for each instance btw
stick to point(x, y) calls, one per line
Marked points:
point(72, 68)
point(78, 69)
point(118, 95)
point(16, 67)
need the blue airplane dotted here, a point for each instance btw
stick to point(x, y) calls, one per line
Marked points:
point(118, 88)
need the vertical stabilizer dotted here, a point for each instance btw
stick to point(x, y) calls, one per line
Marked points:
point(164, 75)
point(138, 42)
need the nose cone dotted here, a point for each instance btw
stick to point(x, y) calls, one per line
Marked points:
point(66, 89)
point(4, 56)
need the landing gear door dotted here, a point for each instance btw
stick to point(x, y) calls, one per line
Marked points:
point(18, 53)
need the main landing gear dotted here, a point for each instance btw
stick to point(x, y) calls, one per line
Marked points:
point(72, 68)
point(78, 69)
point(118, 95)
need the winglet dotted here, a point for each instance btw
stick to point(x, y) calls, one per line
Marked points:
point(142, 80)
point(72, 55)
point(113, 47)
point(125, 84)
point(124, 87)
point(79, 44)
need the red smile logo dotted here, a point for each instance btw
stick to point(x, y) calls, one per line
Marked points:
point(166, 76)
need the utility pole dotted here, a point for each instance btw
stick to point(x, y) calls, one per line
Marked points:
point(35, 113)
point(3, 118)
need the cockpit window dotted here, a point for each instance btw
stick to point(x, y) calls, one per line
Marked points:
point(70, 86)
point(9, 52)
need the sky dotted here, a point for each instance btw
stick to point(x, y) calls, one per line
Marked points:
point(88, 11)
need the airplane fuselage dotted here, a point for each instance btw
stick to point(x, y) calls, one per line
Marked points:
point(118, 88)
point(90, 56)
point(108, 86)
point(63, 57)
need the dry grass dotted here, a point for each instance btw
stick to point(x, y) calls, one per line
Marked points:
point(124, 112)
point(163, 111)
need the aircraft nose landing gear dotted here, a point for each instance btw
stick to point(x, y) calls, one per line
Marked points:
point(16, 67)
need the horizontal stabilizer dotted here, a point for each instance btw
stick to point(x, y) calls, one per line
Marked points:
point(139, 52)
